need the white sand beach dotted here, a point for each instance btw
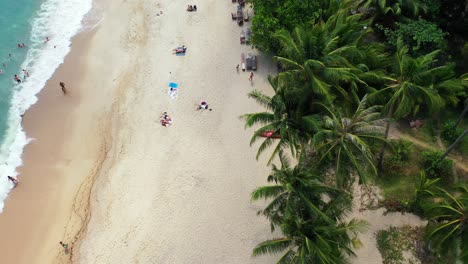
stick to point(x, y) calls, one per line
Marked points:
point(120, 188)
point(178, 194)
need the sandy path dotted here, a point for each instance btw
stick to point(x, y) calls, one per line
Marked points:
point(178, 194)
point(460, 161)
point(369, 253)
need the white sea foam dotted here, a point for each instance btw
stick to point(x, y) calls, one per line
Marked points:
point(59, 20)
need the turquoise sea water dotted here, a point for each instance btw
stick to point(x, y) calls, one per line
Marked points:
point(29, 22)
point(15, 27)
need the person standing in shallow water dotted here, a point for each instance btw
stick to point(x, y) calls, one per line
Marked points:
point(62, 85)
point(13, 180)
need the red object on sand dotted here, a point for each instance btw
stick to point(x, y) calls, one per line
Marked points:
point(269, 134)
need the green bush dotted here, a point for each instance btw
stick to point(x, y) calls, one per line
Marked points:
point(271, 16)
point(386, 245)
point(449, 132)
point(421, 35)
point(436, 168)
point(399, 156)
point(396, 205)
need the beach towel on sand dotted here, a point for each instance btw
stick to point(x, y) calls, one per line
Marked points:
point(173, 90)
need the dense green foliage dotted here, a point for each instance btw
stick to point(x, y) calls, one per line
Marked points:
point(436, 168)
point(272, 15)
point(421, 35)
point(340, 83)
point(313, 226)
point(394, 241)
point(344, 142)
point(449, 132)
point(447, 230)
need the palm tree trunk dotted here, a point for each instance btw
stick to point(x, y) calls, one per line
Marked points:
point(437, 131)
point(382, 150)
point(454, 144)
point(463, 113)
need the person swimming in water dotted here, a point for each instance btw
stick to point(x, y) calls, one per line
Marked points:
point(17, 79)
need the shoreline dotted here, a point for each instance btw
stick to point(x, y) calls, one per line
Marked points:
point(40, 207)
point(112, 164)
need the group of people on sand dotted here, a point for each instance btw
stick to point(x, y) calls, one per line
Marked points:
point(181, 49)
point(165, 120)
point(191, 8)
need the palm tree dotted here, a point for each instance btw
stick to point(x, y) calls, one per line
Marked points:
point(290, 184)
point(319, 240)
point(316, 56)
point(282, 119)
point(345, 141)
point(462, 115)
point(454, 144)
point(447, 231)
point(313, 230)
point(426, 189)
point(409, 8)
point(415, 82)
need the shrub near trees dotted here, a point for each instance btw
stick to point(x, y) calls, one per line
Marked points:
point(335, 73)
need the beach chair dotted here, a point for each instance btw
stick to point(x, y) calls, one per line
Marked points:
point(234, 16)
point(243, 61)
point(240, 17)
point(241, 2)
point(246, 16)
point(242, 37)
point(247, 36)
point(248, 63)
point(240, 20)
point(254, 63)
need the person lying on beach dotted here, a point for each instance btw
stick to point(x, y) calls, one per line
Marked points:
point(203, 105)
point(13, 180)
point(189, 8)
point(182, 49)
point(166, 120)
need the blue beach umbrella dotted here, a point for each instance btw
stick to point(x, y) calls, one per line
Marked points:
point(173, 85)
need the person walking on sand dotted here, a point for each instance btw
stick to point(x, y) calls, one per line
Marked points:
point(237, 68)
point(13, 180)
point(62, 85)
point(251, 76)
point(65, 246)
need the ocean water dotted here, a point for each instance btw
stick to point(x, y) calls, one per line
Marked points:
point(29, 22)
